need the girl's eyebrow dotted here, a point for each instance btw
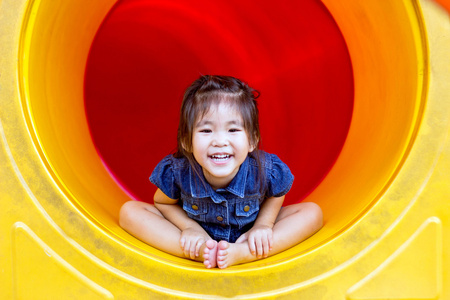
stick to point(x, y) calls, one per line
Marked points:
point(203, 122)
point(209, 122)
point(234, 122)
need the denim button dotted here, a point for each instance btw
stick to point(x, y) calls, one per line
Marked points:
point(219, 218)
point(194, 207)
point(246, 208)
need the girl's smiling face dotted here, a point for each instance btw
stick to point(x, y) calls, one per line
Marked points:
point(220, 144)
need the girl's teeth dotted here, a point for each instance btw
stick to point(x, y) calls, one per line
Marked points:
point(220, 156)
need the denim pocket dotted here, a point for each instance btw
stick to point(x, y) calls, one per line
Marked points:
point(195, 209)
point(247, 211)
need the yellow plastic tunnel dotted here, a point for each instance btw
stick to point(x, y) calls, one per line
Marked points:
point(385, 197)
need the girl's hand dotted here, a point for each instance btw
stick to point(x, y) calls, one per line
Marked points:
point(260, 240)
point(191, 240)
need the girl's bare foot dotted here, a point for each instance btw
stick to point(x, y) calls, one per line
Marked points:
point(229, 254)
point(210, 254)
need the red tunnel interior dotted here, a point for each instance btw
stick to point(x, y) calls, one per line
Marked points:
point(147, 52)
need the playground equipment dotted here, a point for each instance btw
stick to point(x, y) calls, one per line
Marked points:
point(386, 199)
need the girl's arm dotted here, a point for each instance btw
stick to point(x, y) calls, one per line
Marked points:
point(259, 237)
point(268, 212)
point(172, 211)
point(192, 234)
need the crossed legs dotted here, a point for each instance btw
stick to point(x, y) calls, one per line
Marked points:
point(294, 224)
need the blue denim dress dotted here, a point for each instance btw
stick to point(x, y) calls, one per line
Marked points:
point(226, 213)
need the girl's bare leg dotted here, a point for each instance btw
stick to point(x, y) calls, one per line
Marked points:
point(146, 222)
point(294, 224)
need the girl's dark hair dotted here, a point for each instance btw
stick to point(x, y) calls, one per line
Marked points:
point(210, 90)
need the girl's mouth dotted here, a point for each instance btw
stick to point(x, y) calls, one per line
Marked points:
point(220, 157)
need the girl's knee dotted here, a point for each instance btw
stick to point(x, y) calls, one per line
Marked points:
point(309, 211)
point(129, 206)
point(126, 212)
point(130, 209)
point(315, 212)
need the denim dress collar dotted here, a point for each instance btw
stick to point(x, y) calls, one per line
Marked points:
point(200, 188)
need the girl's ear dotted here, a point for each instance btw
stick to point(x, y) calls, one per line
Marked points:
point(183, 144)
point(253, 146)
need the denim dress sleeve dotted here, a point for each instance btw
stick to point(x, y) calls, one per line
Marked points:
point(164, 178)
point(279, 177)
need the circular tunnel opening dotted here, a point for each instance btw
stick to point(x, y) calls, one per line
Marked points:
point(147, 52)
point(344, 134)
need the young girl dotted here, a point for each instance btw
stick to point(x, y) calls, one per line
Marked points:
point(219, 198)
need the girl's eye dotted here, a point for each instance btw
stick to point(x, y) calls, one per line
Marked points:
point(234, 130)
point(205, 130)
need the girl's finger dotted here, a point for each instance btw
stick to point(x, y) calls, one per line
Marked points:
point(200, 242)
point(251, 245)
point(270, 241)
point(265, 246)
point(192, 250)
point(259, 248)
point(186, 248)
point(242, 238)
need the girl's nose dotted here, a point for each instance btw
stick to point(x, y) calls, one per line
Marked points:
point(220, 140)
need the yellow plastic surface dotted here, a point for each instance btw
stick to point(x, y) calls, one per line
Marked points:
point(386, 201)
